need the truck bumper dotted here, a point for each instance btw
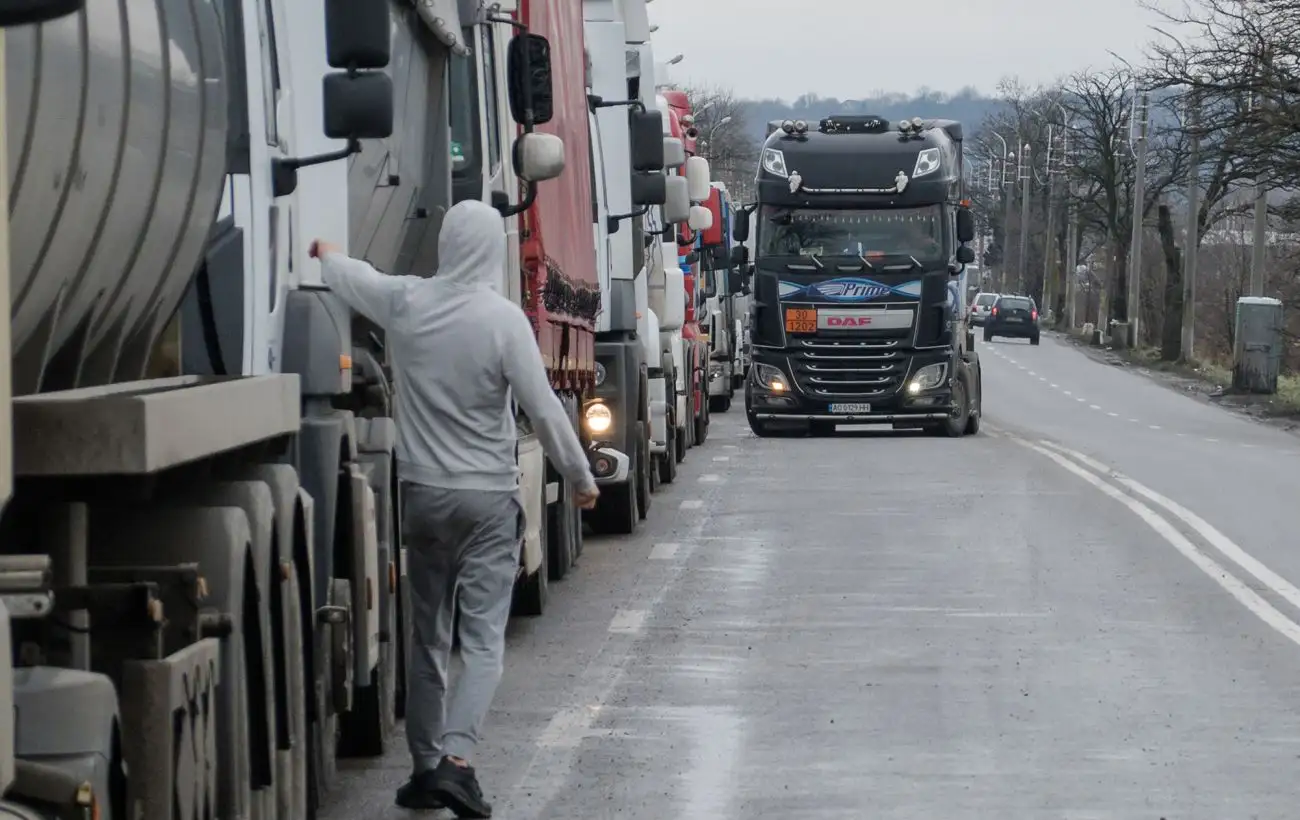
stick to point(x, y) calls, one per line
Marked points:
point(609, 466)
point(898, 407)
point(720, 379)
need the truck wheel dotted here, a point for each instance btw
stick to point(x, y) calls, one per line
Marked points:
point(955, 426)
point(645, 472)
point(668, 461)
point(702, 423)
point(533, 591)
point(679, 434)
point(719, 404)
point(559, 526)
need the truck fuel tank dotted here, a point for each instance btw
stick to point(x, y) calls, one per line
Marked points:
point(117, 156)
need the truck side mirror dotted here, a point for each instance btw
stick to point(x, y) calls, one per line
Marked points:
point(697, 175)
point(965, 225)
point(538, 157)
point(647, 141)
point(965, 255)
point(528, 72)
point(358, 34)
point(358, 106)
point(700, 218)
point(674, 153)
point(677, 201)
point(740, 230)
point(649, 189)
point(27, 12)
point(739, 256)
point(735, 281)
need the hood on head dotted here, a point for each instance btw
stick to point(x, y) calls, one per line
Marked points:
point(472, 246)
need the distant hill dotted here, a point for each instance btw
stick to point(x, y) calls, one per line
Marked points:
point(967, 106)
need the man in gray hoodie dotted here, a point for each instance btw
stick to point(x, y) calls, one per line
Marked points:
point(460, 352)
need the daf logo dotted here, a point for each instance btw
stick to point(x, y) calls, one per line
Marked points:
point(848, 321)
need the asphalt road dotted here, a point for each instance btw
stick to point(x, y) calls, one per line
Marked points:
point(895, 626)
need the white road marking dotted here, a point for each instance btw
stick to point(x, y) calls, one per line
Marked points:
point(664, 552)
point(1247, 597)
point(1055, 386)
point(1080, 399)
point(1216, 441)
point(1154, 426)
point(710, 477)
point(1225, 545)
point(1113, 415)
point(692, 504)
point(1068, 393)
point(722, 458)
point(628, 620)
point(1135, 421)
point(1094, 407)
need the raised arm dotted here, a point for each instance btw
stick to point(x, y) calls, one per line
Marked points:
point(526, 374)
point(361, 287)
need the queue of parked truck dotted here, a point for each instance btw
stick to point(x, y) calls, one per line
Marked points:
point(202, 575)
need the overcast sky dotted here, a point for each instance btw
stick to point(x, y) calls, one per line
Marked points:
point(850, 48)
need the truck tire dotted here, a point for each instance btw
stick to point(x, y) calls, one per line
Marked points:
point(533, 591)
point(559, 527)
point(719, 404)
point(955, 427)
point(668, 461)
point(679, 435)
point(645, 488)
point(976, 404)
point(702, 424)
point(616, 512)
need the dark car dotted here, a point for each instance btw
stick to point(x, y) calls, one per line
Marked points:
point(1014, 317)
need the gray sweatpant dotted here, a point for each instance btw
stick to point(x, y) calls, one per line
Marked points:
point(462, 547)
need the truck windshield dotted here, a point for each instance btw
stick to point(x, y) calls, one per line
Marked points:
point(914, 232)
point(463, 112)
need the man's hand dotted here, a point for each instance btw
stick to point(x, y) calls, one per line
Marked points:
point(319, 247)
point(586, 499)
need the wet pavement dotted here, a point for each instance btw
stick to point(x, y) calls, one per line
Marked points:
point(896, 626)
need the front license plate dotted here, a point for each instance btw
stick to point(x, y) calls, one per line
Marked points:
point(851, 409)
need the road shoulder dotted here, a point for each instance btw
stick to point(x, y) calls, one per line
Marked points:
point(1206, 384)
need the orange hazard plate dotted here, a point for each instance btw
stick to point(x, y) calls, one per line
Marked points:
point(801, 320)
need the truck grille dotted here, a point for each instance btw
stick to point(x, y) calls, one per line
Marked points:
point(863, 369)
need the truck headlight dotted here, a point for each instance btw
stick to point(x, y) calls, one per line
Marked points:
point(927, 162)
point(598, 418)
point(774, 162)
point(928, 377)
point(771, 378)
point(600, 374)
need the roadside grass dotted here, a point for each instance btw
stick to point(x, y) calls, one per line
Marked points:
point(1216, 378)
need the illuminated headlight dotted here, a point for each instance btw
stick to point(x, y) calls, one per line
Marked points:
point(715, 370)
point(771, 378)
point(928, 378)
point(600, 374)
point(774, 162)
point(598, 418)
point(927, 162)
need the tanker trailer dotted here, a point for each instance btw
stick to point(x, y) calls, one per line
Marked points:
point(192, 556)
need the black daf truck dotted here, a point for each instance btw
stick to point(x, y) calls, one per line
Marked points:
point(862, 232)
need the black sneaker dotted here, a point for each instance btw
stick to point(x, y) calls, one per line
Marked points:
point(458, 789)
point(418, 793)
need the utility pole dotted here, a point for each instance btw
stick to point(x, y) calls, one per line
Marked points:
point(1193, 241)
point(1071, 266)
point(1049, 240)
point(1026, 176)
point(1260, 234)
point(1006, 221)
point(1133, 301)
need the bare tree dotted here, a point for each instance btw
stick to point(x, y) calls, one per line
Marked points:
point(726, 138)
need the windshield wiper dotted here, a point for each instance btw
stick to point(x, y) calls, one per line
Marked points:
point(814, 257)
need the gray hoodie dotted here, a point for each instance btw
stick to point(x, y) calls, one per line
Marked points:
point(459, 350)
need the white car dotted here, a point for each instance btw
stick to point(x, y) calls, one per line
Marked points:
point(980, 307)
